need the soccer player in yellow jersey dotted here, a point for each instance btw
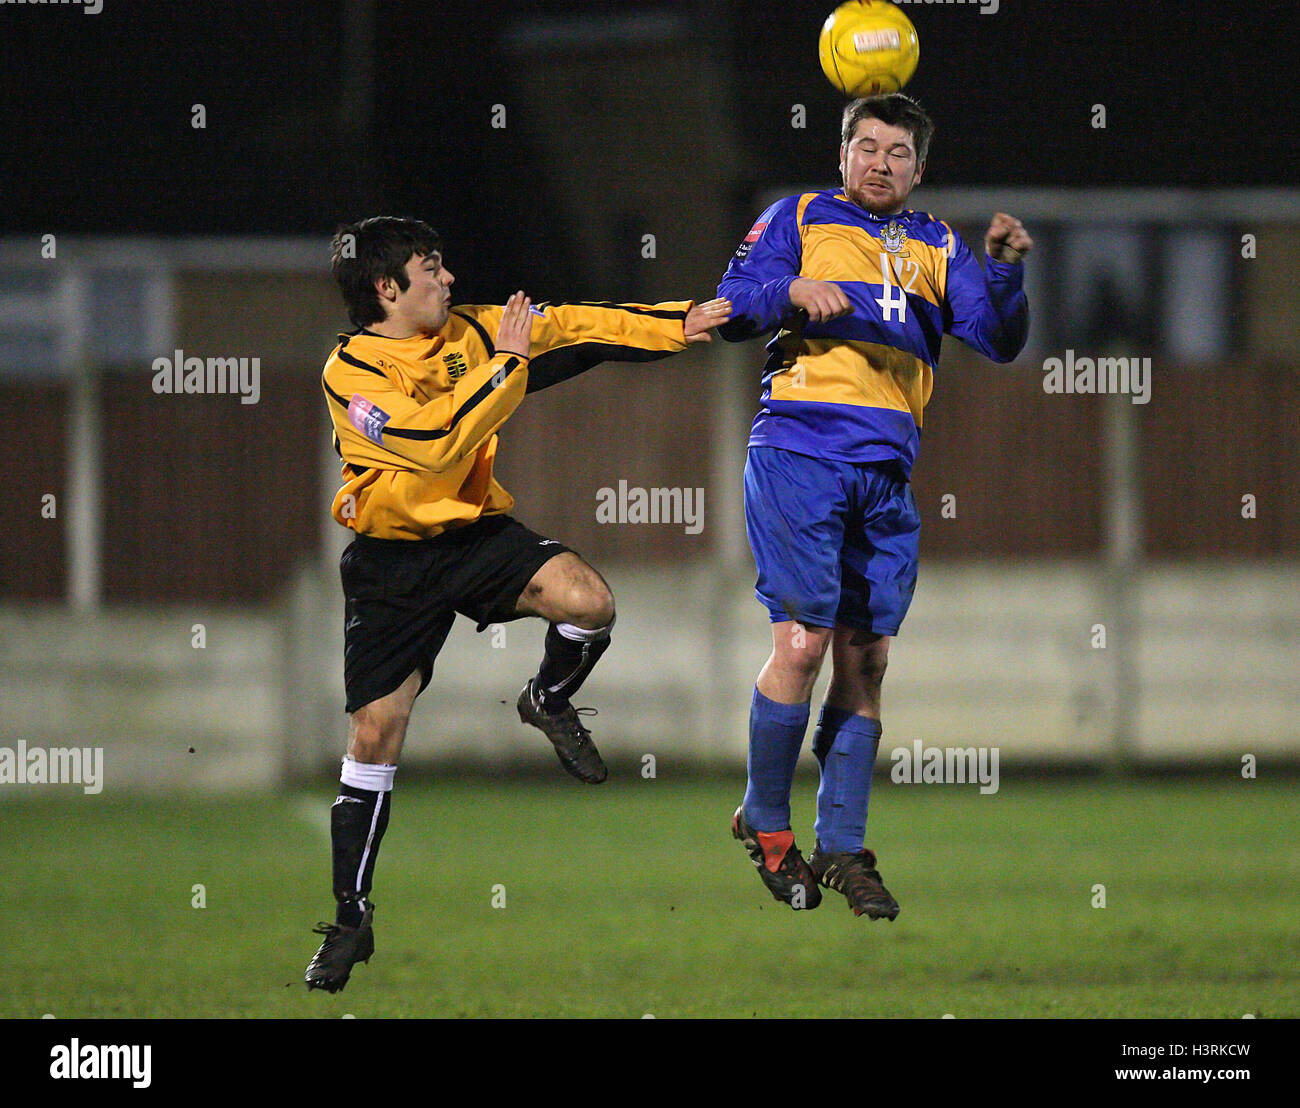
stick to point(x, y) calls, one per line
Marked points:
point(417, 395)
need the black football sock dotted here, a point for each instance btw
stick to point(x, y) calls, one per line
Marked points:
point(571, 653)
point(358, 820)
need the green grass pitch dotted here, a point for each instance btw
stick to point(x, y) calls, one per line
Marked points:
point(632, 899)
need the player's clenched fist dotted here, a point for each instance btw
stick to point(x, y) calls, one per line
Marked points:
point(822, 300)
point(1006, 240)
point(514, 335)
point(702, 318)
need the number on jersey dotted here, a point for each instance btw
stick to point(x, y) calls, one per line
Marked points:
point(892, 298)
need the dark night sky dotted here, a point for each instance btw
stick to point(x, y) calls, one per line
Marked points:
point(97, 134)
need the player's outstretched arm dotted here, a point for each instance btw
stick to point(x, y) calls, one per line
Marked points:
point(570, 338)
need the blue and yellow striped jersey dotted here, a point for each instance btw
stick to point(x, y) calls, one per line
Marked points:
point(853, 389)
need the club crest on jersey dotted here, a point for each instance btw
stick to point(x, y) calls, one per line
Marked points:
point(894, 237)
point(456, 364)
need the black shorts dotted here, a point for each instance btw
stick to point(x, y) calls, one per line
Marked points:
point(401, 597)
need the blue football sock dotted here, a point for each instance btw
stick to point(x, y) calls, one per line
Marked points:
point(845, 745)
point(776, 733)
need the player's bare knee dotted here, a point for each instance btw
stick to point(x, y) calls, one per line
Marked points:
point(860, 662)
point(375, 735)
point(600, 610)
point(798, 640)
point(801, 659)
point(590, 602)
point(872, 673)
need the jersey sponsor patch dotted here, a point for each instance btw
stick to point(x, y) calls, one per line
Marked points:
point(367, 418)
point(755, 233)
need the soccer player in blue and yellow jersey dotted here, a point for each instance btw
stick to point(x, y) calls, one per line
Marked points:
point(860, 291)
point(416, 395)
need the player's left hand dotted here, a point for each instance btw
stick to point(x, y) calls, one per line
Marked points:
point(1006, 240)
point(702, 318)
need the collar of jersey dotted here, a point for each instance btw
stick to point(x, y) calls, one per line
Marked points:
point(435, 342)
point(906, 213)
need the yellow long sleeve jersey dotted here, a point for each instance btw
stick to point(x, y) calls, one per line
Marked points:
point(416, 419)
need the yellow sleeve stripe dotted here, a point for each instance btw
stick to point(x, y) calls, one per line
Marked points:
point(804, 201)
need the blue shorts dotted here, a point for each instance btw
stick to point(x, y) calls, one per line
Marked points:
point(835, 542)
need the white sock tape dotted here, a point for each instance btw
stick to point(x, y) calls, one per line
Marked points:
point(363, 775)
point(580, 634)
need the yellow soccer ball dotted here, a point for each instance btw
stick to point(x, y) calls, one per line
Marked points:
point(868, 47)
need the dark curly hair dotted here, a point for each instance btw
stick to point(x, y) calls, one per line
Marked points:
point(363, 253)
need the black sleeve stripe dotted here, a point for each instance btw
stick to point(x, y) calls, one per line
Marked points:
point(553, 366)
point(482, 393)
point(482, 332)
point(657, 313)
point(334, 396)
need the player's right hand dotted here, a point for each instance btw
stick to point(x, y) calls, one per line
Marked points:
point(514, 335)
point(703, 318)
point(822, 300)
point(1007, 240)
